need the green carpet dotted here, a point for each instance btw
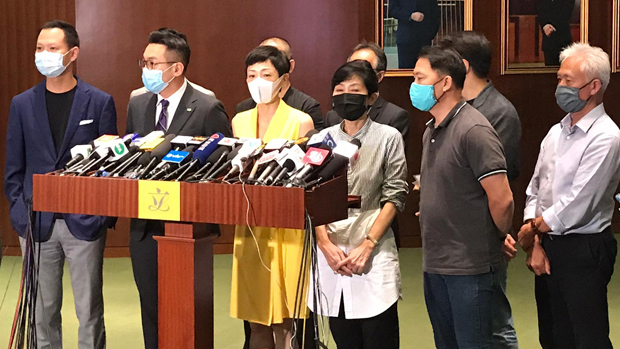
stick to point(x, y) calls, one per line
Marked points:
point(122, 310)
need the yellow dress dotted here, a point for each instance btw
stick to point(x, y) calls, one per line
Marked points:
point(258, 295)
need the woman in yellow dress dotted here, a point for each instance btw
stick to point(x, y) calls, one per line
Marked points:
point(266, 261)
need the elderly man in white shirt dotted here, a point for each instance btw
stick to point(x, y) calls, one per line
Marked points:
point(567, 232)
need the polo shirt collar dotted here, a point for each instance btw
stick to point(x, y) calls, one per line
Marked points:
point(448, 119)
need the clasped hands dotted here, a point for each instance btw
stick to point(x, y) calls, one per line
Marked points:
point(347, 265)
point(537, 260)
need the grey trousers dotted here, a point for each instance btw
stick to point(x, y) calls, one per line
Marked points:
point(504, 334)
point(85, 260)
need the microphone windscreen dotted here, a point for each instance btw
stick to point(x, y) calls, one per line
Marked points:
point(145, 158)
point(333, 167)
point(289, 165)
point(356, 142)
point(233, 153)
point(217, 154)
point(207, 148)
point(163, 148)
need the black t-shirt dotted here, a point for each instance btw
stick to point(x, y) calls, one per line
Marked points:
point(58, 112)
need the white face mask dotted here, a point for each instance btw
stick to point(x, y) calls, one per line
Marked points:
point(262, 90)
point(50, 63)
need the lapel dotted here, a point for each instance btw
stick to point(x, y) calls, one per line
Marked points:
point(42, 120)
point(78, 110)
point(377, 108)
point(186, 107)
point(150, 108)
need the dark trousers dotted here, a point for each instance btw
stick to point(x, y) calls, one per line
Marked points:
point(381, 331)
point(144, 262)
point(572, 301)
point(408, 54)
point(460, 308)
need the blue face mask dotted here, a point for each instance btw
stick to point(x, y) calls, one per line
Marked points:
point(423, 96)
point(153, 80)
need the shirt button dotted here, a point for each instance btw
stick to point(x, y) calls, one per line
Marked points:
point(432, 140)
point(567, 137)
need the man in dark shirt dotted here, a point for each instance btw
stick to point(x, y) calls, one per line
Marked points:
point(418, 23)
point(382, 111)
point(466, 204)
point(290, 95)
point(554, 20)
point(476, 52)
point(45, 122)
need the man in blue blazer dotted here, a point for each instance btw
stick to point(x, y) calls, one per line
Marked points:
point(45, 122)
point(418, 23)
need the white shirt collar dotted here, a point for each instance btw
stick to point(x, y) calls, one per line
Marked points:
point(175, 98)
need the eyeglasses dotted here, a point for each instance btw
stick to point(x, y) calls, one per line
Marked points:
point(151, 65)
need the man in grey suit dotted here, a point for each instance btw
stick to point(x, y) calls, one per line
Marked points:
point(173, 106)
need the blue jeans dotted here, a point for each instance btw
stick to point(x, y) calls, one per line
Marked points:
point(504, 334)
point(460, 308)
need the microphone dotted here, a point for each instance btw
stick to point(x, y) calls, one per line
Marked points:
point(214, 159)
point(246, 151)
point(295, 154)
point(264, 159)
point(143, 161)
point(322, 139)
point(288, 166)
point(174, 159)
point(156, 155)
point(314, 158)
point(79, 153)
point(180, 142)
point(201, 155)
point(149, 137)
point(303, 141)
point(215, 171)
point(123, 163)
point(344, 154)
point(102, 140)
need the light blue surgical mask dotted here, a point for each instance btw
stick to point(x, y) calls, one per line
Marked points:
point(423, 96)
point(50, 63)
point(153, 79)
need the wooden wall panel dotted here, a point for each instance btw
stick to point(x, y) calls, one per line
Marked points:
point(19, 26)
point(322, 32)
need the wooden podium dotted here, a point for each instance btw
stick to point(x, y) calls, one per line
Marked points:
point(185, 252)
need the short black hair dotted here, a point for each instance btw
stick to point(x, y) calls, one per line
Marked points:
point(359, 68)
point(71, 36)
point(288, 52)
point(446, 61)
point(377, 50)
point(174, 41)
point(268, 53)
point(473, 47)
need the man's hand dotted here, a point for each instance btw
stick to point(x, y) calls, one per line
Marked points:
point(548, 29)
point(526, 236)
point(537, 260)
point(417, 16)
point(334, 255)
point(358, 257)
point(508, 248)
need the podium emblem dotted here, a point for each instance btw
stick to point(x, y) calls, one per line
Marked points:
point(159, 200)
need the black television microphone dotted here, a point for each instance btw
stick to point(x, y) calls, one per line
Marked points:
point(157, 154)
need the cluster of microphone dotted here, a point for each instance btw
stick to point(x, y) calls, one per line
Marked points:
point(305, 162)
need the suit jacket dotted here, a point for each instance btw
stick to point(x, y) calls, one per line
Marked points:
point(557, 13)
point(30, 150)
point(382, 112)
point(198, 114)
point(296, 99)
point(410, 31)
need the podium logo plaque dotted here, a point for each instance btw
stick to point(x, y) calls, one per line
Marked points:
point(159, 200)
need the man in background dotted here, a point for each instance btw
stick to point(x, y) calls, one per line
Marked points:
point(418, 23)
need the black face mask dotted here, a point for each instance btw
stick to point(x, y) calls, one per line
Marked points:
point(350, 106)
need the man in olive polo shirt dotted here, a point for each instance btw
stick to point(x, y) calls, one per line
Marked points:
point(466, 204)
